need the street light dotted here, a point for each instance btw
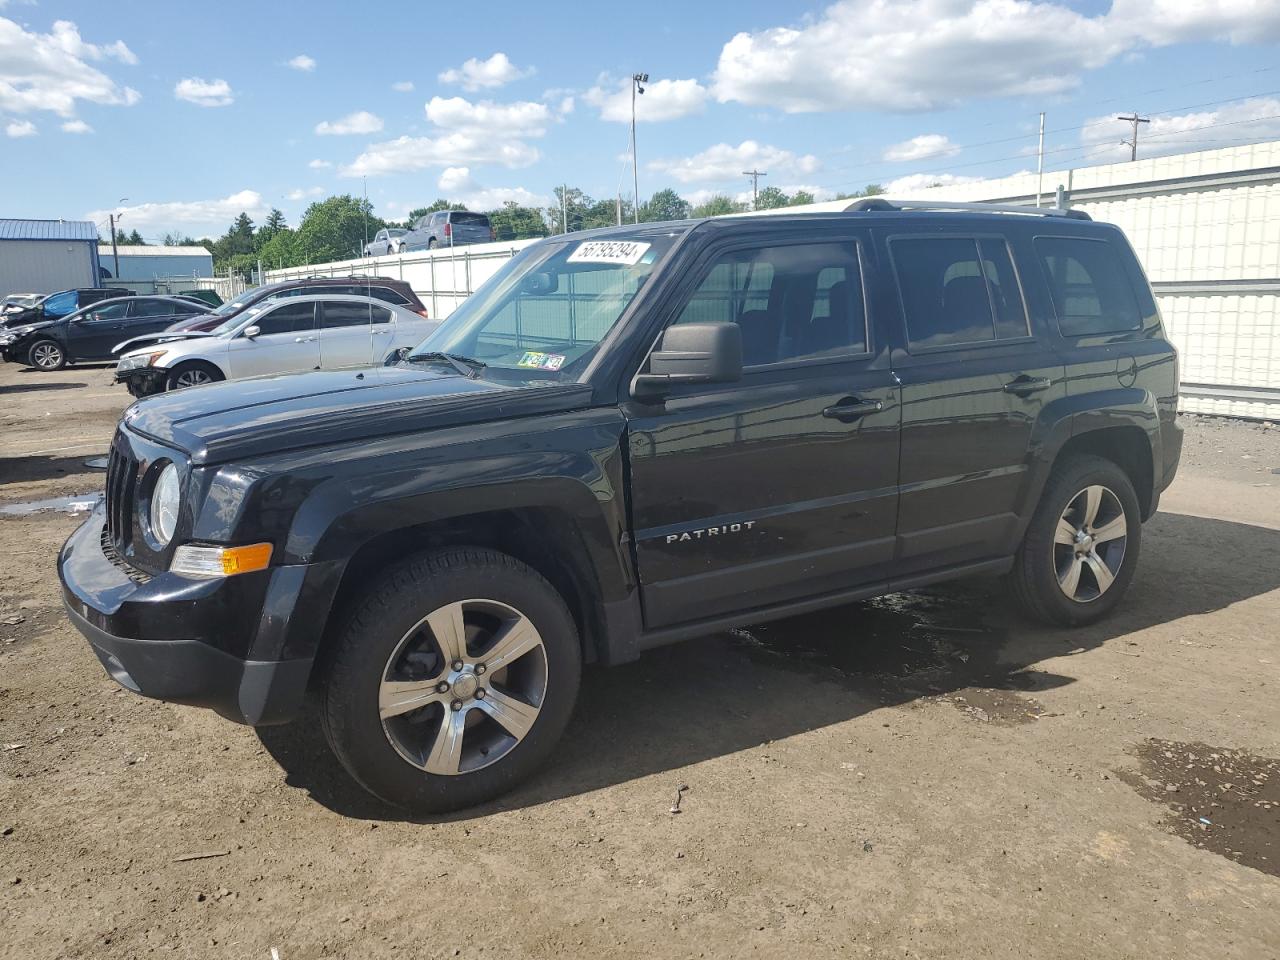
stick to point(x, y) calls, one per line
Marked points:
point(637, 79)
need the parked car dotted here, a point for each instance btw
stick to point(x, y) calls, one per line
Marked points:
point(282, 335)
point(445, 228)
point(625, 438)
point(396, 292)
point(17, 302)
point(381, 244)
point(90, 332)
point(209, 298)
point(62, 304)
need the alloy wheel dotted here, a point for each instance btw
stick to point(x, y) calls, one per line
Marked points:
point(1089, 544)
point(463, 687)
point(192, 378)
point(46, 356)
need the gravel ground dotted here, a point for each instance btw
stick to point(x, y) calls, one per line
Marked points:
point(923, 775)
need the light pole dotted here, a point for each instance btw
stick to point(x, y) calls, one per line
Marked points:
point(637, 79)
point(115, 255)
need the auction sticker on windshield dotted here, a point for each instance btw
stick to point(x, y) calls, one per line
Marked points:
point(625, 252)
point(541, 361)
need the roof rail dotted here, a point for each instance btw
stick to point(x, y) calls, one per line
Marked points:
point(881, 204)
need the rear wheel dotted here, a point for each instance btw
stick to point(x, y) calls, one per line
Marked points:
point(1081, 547)
point(451, 680)
point(47, 355)
point(193, 374)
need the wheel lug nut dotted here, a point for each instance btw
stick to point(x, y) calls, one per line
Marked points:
point(480, 693)
point(480, 668)
point(457, 665)
point(442, 687)
point(456, 705)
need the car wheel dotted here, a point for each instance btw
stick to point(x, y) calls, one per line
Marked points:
point(194, 374)
point(451, 680)
point(394, 248)
point(47, 355)
point(1081, 547)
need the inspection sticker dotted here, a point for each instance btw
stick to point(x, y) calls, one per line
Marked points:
point(626, 252)
point(541, 361)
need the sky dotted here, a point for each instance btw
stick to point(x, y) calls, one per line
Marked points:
point(180, 115)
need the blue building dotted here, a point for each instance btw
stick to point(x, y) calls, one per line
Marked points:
point(43, 256)
point(148, 263)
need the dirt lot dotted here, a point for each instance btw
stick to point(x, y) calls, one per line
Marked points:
point(927, 775)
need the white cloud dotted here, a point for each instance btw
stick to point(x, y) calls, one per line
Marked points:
point(661, 100)
point(76, 126)
point(362, 121)
point(192, 216)
point(522, 118)
point(478, 74)
point(204, 93)
point(1254, 119)
point(467, 133)
point(403, 86)
point(920, 181)
point(457, 184)
point(20, 128)
point(51, 71)
point(924, 147)
point(302, 194)
point(928, 54)
point(566, 106)
point(303, 62)
point(723, 162)
point(319, 164)
point(455, 180)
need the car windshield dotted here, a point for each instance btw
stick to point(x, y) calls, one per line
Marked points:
point(543, 314)
point(236, 304)
point(235, 323)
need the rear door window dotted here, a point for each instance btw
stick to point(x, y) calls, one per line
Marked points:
point(957, 290)
point(1090, 291)
point(343, 313)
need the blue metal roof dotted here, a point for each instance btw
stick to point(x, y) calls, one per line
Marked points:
point(48, 230)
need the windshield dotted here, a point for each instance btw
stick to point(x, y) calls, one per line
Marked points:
point(235, 304)
point(545, 311)
point(239, 320)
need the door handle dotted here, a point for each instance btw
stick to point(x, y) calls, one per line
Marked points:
point(1025, 386)
point(304, 339)
point(852, 409)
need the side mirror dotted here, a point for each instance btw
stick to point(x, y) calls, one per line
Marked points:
point(691, 353)
point(252, 331)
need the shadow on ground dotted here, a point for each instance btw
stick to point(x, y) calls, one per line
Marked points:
point(29, 469)
point(730, 691)
point(34, 387)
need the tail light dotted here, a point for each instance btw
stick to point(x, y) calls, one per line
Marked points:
point(448, 230)
point(422, 313)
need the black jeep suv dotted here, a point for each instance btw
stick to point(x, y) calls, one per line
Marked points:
point(629, 437)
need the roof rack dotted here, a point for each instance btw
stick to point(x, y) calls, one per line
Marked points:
point(343, 276)
point(881, 204)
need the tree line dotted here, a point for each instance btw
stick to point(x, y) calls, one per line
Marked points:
point(336, 228)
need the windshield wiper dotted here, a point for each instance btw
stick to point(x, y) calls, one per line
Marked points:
point(467, 366)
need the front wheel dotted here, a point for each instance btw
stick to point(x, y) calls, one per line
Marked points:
point(47, 355)
point(1081, 547)
point(193, 374)
point(451, 680)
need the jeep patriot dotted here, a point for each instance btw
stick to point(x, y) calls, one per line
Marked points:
point(625, 438)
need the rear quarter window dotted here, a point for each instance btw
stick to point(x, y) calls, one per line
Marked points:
point(1090, 291)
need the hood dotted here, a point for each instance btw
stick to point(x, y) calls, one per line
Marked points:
point(164, 336)
point(245, 418)
point(14, 325)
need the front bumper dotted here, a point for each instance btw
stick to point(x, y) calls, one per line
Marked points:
point(159, 636)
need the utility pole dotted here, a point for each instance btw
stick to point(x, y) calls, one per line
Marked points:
point(619, 207)
point(564, 208)
point(114, 253)
point(755, 176)
point(637, 81)
point(1133, 144)
point(1040, 162)
point(365, 249)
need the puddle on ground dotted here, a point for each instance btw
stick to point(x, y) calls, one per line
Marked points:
point(935, 643)
point(80, 503)
point(1222, 800)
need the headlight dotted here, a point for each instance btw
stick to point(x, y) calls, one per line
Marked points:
point(165, 499)
point(139, 360)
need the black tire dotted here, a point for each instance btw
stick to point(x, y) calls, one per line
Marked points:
point(1035, 575)
point(179, 377)
point(47, 355)
point(371, 637)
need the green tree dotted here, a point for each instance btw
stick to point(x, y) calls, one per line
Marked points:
point(121, 237)
point(438, 204)
point(770, 198)
point(135, 239)
point(718, 206)
point(801, 197)
point(514, 222)
point(666, 204)
point(280, 250)
point(334, 229)
point(274, 223)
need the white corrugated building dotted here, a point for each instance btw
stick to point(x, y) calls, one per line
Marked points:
point(149, 263)
point(44, 256)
